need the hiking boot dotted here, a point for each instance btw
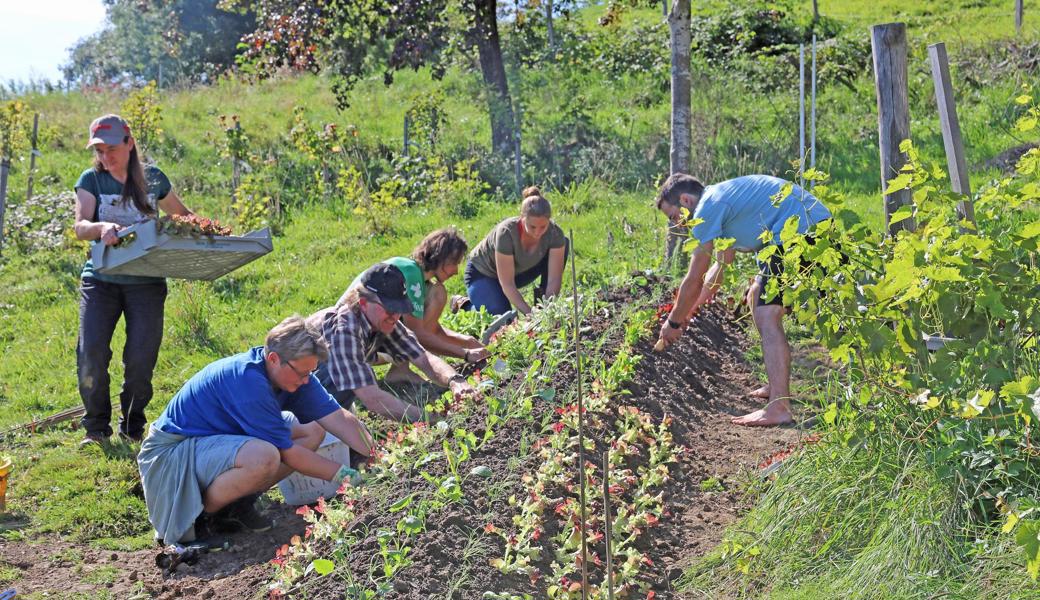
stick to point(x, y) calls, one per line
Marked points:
point(131, 437)
point(93, 438)
point(206, 538)
point(242, 515)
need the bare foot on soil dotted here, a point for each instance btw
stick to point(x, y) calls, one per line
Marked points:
point(762, 392)
point(402, 374)
point(774, 413)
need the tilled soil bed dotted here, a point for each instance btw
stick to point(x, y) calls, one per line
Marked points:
point(699, 383)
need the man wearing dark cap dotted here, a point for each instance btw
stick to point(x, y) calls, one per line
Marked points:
point(365, 323)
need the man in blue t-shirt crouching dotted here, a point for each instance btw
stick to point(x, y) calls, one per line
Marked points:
point(235, 429)
point(741, 209)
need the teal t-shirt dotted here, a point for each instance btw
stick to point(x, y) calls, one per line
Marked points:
point(110, 208)
point(415, 286)
point(742, 209)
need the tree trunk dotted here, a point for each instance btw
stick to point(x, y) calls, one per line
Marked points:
point(549, 26)
point(492, 67)
point(679, 156)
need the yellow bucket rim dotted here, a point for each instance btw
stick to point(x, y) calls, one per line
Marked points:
point(5, 465)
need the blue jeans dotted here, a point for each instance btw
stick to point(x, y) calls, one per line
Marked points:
point(100, 307)
point(487, 291)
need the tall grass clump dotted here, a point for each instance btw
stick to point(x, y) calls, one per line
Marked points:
point(871, 520)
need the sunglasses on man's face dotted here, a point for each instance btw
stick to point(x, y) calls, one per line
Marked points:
point(383, 308)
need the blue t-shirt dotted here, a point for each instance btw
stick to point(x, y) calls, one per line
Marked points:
point(234, 396)
point(742, 208)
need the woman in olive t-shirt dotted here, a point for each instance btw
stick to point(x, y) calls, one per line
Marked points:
point(515, 253)
point(118, 191)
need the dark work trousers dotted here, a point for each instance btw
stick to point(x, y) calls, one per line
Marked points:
point(100, 306)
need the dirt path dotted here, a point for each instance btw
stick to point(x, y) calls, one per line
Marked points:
point(700, 382)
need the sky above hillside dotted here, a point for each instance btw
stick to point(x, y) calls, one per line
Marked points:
point(35, 35)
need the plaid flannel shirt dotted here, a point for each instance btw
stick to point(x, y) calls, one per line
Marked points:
point(353, 344)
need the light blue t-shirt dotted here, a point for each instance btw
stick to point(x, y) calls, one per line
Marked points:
point(234, 396)
point(742, 208)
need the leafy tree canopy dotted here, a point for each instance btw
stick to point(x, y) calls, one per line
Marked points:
point(159, 39)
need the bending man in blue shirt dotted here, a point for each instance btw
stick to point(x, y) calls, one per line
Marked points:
point(235, 429)
point(740, 209)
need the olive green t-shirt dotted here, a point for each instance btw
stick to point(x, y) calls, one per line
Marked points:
point(505, 238)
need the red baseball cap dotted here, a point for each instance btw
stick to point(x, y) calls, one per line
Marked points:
point(109, 129)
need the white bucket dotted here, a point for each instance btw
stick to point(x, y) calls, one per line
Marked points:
point(301, 489)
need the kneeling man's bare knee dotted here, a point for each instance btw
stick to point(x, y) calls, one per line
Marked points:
point(259, 457)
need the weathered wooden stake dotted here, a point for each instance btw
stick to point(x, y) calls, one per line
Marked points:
point(951, 129)
point(5, 166)
point(407, 125)
point(581, 428)
point(32, 158)
point(608, 525)
point(236, 167)
point(888, 43)
point(812, 113)
point(518, 166)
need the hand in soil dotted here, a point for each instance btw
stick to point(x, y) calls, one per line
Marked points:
point(475, 355)
point(762, 392)
point(777, 412)
point(464, 391)
point(667, 336)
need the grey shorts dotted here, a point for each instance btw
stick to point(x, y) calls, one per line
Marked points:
point(216, 454)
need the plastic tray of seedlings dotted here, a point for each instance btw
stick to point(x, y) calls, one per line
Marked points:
point(180, 247)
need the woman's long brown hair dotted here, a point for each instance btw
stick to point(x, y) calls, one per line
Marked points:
point(135, 189)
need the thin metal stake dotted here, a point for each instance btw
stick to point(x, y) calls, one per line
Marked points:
point(581, 428)
point(608, 524)
point(801, 115)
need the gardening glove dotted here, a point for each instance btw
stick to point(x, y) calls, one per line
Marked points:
point(347, 473)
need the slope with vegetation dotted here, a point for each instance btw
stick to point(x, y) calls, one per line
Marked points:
point(937, 487)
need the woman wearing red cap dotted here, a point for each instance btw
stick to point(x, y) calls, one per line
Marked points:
point(116, 192)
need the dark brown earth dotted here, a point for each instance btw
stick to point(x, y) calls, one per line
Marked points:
point(700, 382)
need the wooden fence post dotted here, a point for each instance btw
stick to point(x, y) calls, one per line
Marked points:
point(951, 129)
point(32, 157)
point(407, 126)
point(888, 42)
point(5, 166)
point(236, 165)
